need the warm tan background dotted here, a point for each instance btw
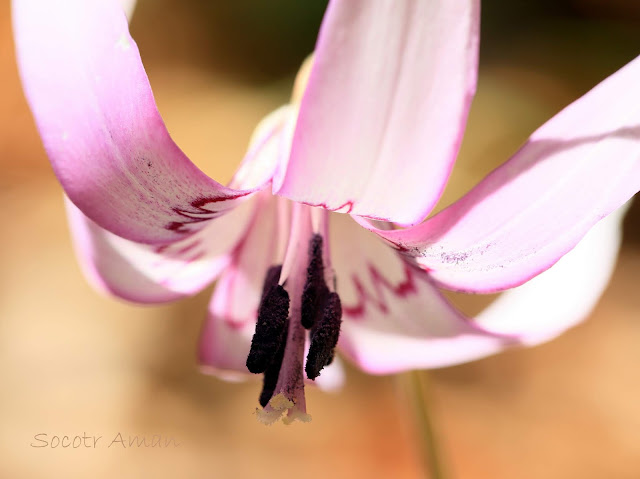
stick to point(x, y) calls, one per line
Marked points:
point(73, 362)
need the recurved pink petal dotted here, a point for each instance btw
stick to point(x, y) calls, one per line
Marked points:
point(149, 274)
point(95, 111)
point(394, 319)
point(517, 222)
point(154, 274)
point(562, 296)
point(385, 108)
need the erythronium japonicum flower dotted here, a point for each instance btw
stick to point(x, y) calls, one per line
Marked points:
point(373, 136)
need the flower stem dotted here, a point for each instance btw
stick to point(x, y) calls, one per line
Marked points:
point(418, 388)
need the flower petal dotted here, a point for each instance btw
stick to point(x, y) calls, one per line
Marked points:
point(385, 108)
point(269, 149)
point(332, 377)
point(394, 319)
point(93, 105)
point(155, 274)
point(128, 6)
point(565, 294)
point(150, 274)
point(517, 222)
point(226, 336)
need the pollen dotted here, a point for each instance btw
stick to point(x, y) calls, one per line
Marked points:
point(324, 337)
point(315, 290)
point(271, 326)
point(271, 374)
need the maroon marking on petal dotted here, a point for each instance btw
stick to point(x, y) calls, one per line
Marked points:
point(185, 249)
point(234, 324)
point(176, 227)
point(350, 204)
point(200, 203)
point(380, 284)
point(397, 246)
point(165, 249)
point(196, 257)
point(161, 249)
point(324, 205)
point(199, 213)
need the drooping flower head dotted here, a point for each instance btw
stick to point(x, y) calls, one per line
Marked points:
point(372, 136)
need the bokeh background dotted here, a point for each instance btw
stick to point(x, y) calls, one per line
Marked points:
point(73, 362)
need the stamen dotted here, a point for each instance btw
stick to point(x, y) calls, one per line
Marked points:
point(315, 291)
point(271, 279)
point(270, 379)
point(330, 360)
point(271, 325)
point(324, 337)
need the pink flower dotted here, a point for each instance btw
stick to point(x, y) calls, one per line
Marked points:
point(375, 136)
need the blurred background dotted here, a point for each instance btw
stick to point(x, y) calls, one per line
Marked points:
point(73, 362)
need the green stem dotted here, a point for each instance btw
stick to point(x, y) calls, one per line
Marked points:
point(418, 387)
